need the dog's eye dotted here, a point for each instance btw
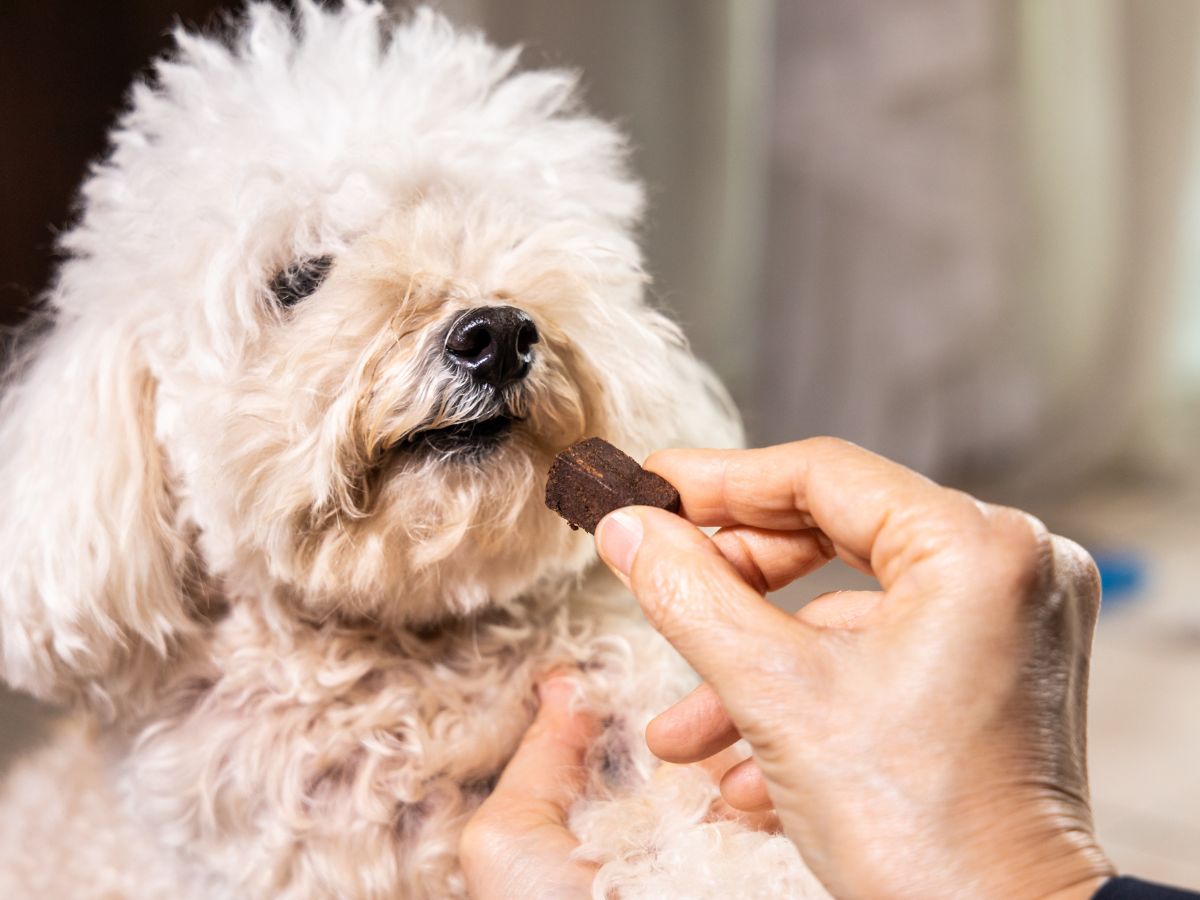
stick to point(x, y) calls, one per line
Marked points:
point(300, 279)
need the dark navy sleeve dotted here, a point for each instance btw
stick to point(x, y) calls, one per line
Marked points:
point(1124, 888)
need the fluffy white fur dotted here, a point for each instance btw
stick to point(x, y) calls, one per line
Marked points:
point(305, 654)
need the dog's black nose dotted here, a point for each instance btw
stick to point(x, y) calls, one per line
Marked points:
point(493, 343)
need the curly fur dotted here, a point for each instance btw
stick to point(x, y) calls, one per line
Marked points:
point(305, 647)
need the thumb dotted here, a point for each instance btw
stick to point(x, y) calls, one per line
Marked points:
point(546, 774)
point(694, 596)
point(517, 843)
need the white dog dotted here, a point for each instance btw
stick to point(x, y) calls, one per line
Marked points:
point(271, 486)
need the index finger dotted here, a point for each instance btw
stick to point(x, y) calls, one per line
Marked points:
point(871, 508)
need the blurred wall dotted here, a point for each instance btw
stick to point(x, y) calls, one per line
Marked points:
point(891, 313)
point(1109, 93)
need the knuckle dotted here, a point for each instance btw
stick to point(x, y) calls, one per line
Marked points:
point(1075, 566)
point(1008, 549)
point(1020, 546)
point(945, 526)
point(735, 548)
point(1018, 532)
point(1031, 566)
point(831, 445)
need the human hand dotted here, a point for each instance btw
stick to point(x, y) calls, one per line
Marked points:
point(925, 740)
point(517, 845)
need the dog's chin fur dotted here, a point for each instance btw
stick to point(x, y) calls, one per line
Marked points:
point(224, 515)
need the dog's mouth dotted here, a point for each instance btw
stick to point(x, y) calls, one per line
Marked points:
point(476, 436)
point(462, 442)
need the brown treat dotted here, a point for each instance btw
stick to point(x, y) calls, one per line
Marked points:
point(590, 479)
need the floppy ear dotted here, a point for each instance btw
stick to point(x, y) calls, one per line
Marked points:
point(90, 555)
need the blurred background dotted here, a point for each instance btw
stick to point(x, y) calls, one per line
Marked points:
point(963, 233)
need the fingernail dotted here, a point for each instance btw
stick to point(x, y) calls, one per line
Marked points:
point(553, 688)
point(549, 681)
point(556, 694)
point(618, 538)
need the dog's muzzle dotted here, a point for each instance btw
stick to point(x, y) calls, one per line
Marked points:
point(493, 347)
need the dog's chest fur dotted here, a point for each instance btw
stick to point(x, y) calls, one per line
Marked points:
point(309, 753)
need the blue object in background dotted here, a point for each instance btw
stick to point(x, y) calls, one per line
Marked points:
point(1122, 576)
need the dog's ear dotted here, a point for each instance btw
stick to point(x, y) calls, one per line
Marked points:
point(673, 399)
point(90, 555)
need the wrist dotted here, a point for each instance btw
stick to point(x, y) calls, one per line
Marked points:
point(1044, 848)
point(1076, 876)
point(1084, 890)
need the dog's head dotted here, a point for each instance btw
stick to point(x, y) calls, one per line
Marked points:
point(336, 298)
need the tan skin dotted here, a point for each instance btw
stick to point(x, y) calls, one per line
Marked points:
point(925, 740)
